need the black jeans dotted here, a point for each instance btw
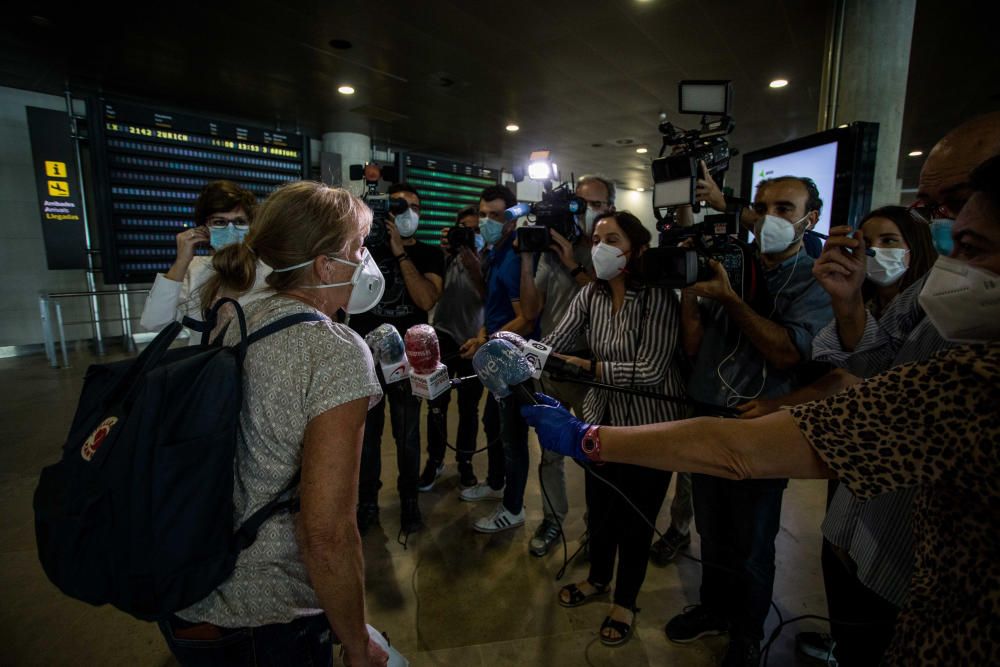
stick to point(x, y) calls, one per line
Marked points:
point(616, 528)
point(737, 522)
point(496, 475)
point(469, 393)
point(404, 414)
point(306, 641)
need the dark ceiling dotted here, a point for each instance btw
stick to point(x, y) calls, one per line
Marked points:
point(445, 76)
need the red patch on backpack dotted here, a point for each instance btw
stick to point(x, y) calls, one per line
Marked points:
point(96, 439)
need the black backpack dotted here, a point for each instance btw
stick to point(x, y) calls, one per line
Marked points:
point(139, 511)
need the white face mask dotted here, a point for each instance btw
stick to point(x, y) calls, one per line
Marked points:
point(589, 218)
point(962, 302)
point(887, 266)
point(407, 223)
point(776, 234)
point(609, 261)
point(367, 281)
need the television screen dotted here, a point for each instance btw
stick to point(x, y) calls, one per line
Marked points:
point(818, 163)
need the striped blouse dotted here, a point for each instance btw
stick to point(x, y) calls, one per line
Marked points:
point(637, 346)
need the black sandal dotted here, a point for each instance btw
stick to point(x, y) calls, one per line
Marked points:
point(577, 597)
point(623, 629)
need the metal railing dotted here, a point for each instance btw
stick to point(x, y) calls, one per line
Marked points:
point(49, 302)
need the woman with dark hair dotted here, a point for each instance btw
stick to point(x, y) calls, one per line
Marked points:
point(222, 215)
point(904, 252)
point(632, 331)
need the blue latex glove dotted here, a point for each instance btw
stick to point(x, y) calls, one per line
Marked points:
point(556, 427)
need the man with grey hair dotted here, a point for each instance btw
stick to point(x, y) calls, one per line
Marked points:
point(548, 285)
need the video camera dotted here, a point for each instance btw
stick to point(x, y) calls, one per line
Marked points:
point(675, 176)
point(460, 237)
point(556, 211)
point(381, 205)
point(715, 238)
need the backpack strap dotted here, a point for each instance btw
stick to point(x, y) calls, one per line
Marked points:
point(283, 323)
point(247, 533)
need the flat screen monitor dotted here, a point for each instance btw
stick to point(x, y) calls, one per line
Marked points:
point(841, 162)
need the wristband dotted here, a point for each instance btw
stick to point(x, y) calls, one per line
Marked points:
point(577, 271)
point(401, 256)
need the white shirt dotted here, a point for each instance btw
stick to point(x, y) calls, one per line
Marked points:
point(171, 301)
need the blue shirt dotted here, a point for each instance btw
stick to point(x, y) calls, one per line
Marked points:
point(503, 284)
point(799, 304)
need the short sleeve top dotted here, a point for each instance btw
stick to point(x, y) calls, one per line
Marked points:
point(934, 426)
point(290, 377)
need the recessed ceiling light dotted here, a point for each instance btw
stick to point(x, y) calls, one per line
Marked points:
point(641, 150)
point(844, 125)
point(778, 83)
point(640, 189)
point(915, 153)
point(346, 90)
point(512, 127)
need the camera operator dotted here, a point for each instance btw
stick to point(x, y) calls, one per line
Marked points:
point(413, 281)
point(506, 430)
point(458, 317)
point(738, 355)
point(548, 285)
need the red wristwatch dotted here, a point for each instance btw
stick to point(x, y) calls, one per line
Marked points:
point(591, 444)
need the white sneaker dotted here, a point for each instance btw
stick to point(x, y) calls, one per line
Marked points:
point(501, 519)
point(481, 491)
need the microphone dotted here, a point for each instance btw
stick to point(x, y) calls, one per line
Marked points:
point(428, 376)
point(539, 355)
point(422, 349)
point(502, 369)
point(387, 348)
point(516, 211)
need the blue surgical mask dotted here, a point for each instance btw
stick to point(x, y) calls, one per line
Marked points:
point(220, 237)
point(941, 234)
point(491, 230)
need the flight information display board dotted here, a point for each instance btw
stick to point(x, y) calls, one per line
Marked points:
point(150, 166)
point(445, 188)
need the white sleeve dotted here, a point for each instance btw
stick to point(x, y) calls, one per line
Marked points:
point(161, 303)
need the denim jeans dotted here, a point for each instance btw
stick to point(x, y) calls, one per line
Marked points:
point(737, 522)
point(306, 641)
point(469, 393)
point(404, 415)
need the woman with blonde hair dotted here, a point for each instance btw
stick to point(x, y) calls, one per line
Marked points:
point(307, 389)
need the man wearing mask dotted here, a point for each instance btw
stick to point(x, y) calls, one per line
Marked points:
point(506, 430)
point(873, 540)
point(739, 354)
point(548, 284)
point(458, 317)
point(413, 281)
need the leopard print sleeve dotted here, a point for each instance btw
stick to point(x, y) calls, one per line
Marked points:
point(917, 424)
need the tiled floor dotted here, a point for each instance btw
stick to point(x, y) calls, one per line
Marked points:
point(452, 597)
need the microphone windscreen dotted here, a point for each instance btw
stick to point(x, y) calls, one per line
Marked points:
point(386, 344)
point(422, 349)
point(514, 339)
point(517, 211)
point(500, 366)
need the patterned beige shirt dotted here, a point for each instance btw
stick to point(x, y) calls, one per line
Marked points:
point(289, 378)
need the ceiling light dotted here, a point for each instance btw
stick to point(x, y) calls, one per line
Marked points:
point(778, 83)
point(915, 153)
point(641, 150)
point(640, 189)
point(512, 127)
point(844, 125)
point(346, 90)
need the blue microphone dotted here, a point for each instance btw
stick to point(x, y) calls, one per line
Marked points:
point(501, 368)
point(516, 211)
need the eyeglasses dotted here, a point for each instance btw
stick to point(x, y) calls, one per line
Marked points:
point(219, 223)
point(952, 205)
